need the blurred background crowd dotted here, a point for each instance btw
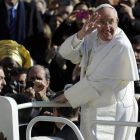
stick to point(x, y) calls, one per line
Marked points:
point(31, 33)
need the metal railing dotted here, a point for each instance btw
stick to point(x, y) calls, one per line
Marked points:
point(64, 120)
point(102, 122)
point(43, 104)
point(52, 119)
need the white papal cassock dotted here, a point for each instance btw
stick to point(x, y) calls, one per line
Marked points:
point(105, 90)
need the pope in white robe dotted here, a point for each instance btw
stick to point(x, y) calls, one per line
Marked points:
point(108, 69)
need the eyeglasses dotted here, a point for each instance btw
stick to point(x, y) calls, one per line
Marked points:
point(110, 23)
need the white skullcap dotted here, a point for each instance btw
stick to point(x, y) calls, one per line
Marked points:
point(105, 5)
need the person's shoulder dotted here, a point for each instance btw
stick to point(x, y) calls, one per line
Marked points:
point(121, 39)
point(67, 134)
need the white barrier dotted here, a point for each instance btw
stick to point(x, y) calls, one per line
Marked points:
point(9, 115)
point(9, 118)
point(134, 124)
point(43, 104)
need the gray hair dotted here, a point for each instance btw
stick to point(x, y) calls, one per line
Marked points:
point(46, 70)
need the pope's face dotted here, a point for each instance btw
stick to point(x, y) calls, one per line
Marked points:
point(107, 23)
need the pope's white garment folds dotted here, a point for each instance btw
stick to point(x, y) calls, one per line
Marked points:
point(105, 90)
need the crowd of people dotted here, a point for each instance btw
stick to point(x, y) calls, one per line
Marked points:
point(46, 54)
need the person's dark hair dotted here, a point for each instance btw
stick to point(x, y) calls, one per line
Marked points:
point(67, 112)
point(55, 16)
point(23, 114)
point(17, 71)
point(81, 3)
point(135, 39)
point(47, 72)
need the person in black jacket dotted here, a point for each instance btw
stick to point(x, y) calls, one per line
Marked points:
point(60, 69)
point(129, 17)
point(71, 25)
point(28, 27)
point(66, 132)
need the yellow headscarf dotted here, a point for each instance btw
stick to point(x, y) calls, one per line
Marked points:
point(11, 49)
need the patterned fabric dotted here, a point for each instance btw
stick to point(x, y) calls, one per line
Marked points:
point(11, 49)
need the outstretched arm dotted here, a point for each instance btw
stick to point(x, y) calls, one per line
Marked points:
point(73, 48)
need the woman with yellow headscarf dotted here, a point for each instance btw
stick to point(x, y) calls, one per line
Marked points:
point(12, 55)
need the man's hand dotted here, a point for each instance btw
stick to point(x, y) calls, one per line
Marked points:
point(47, 113)
point(30, 92)
point(127, 11)
point(60, 99)
point(39, 87)
point(88, 26)
point(51, 54)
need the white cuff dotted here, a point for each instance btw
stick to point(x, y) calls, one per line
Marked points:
point(76, 42)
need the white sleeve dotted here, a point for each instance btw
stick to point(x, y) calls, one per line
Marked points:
point(81, 93)
point(71, 49)
point(89, 89)
point(76, 42)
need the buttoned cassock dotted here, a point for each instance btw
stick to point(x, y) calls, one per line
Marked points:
point(105, 90)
